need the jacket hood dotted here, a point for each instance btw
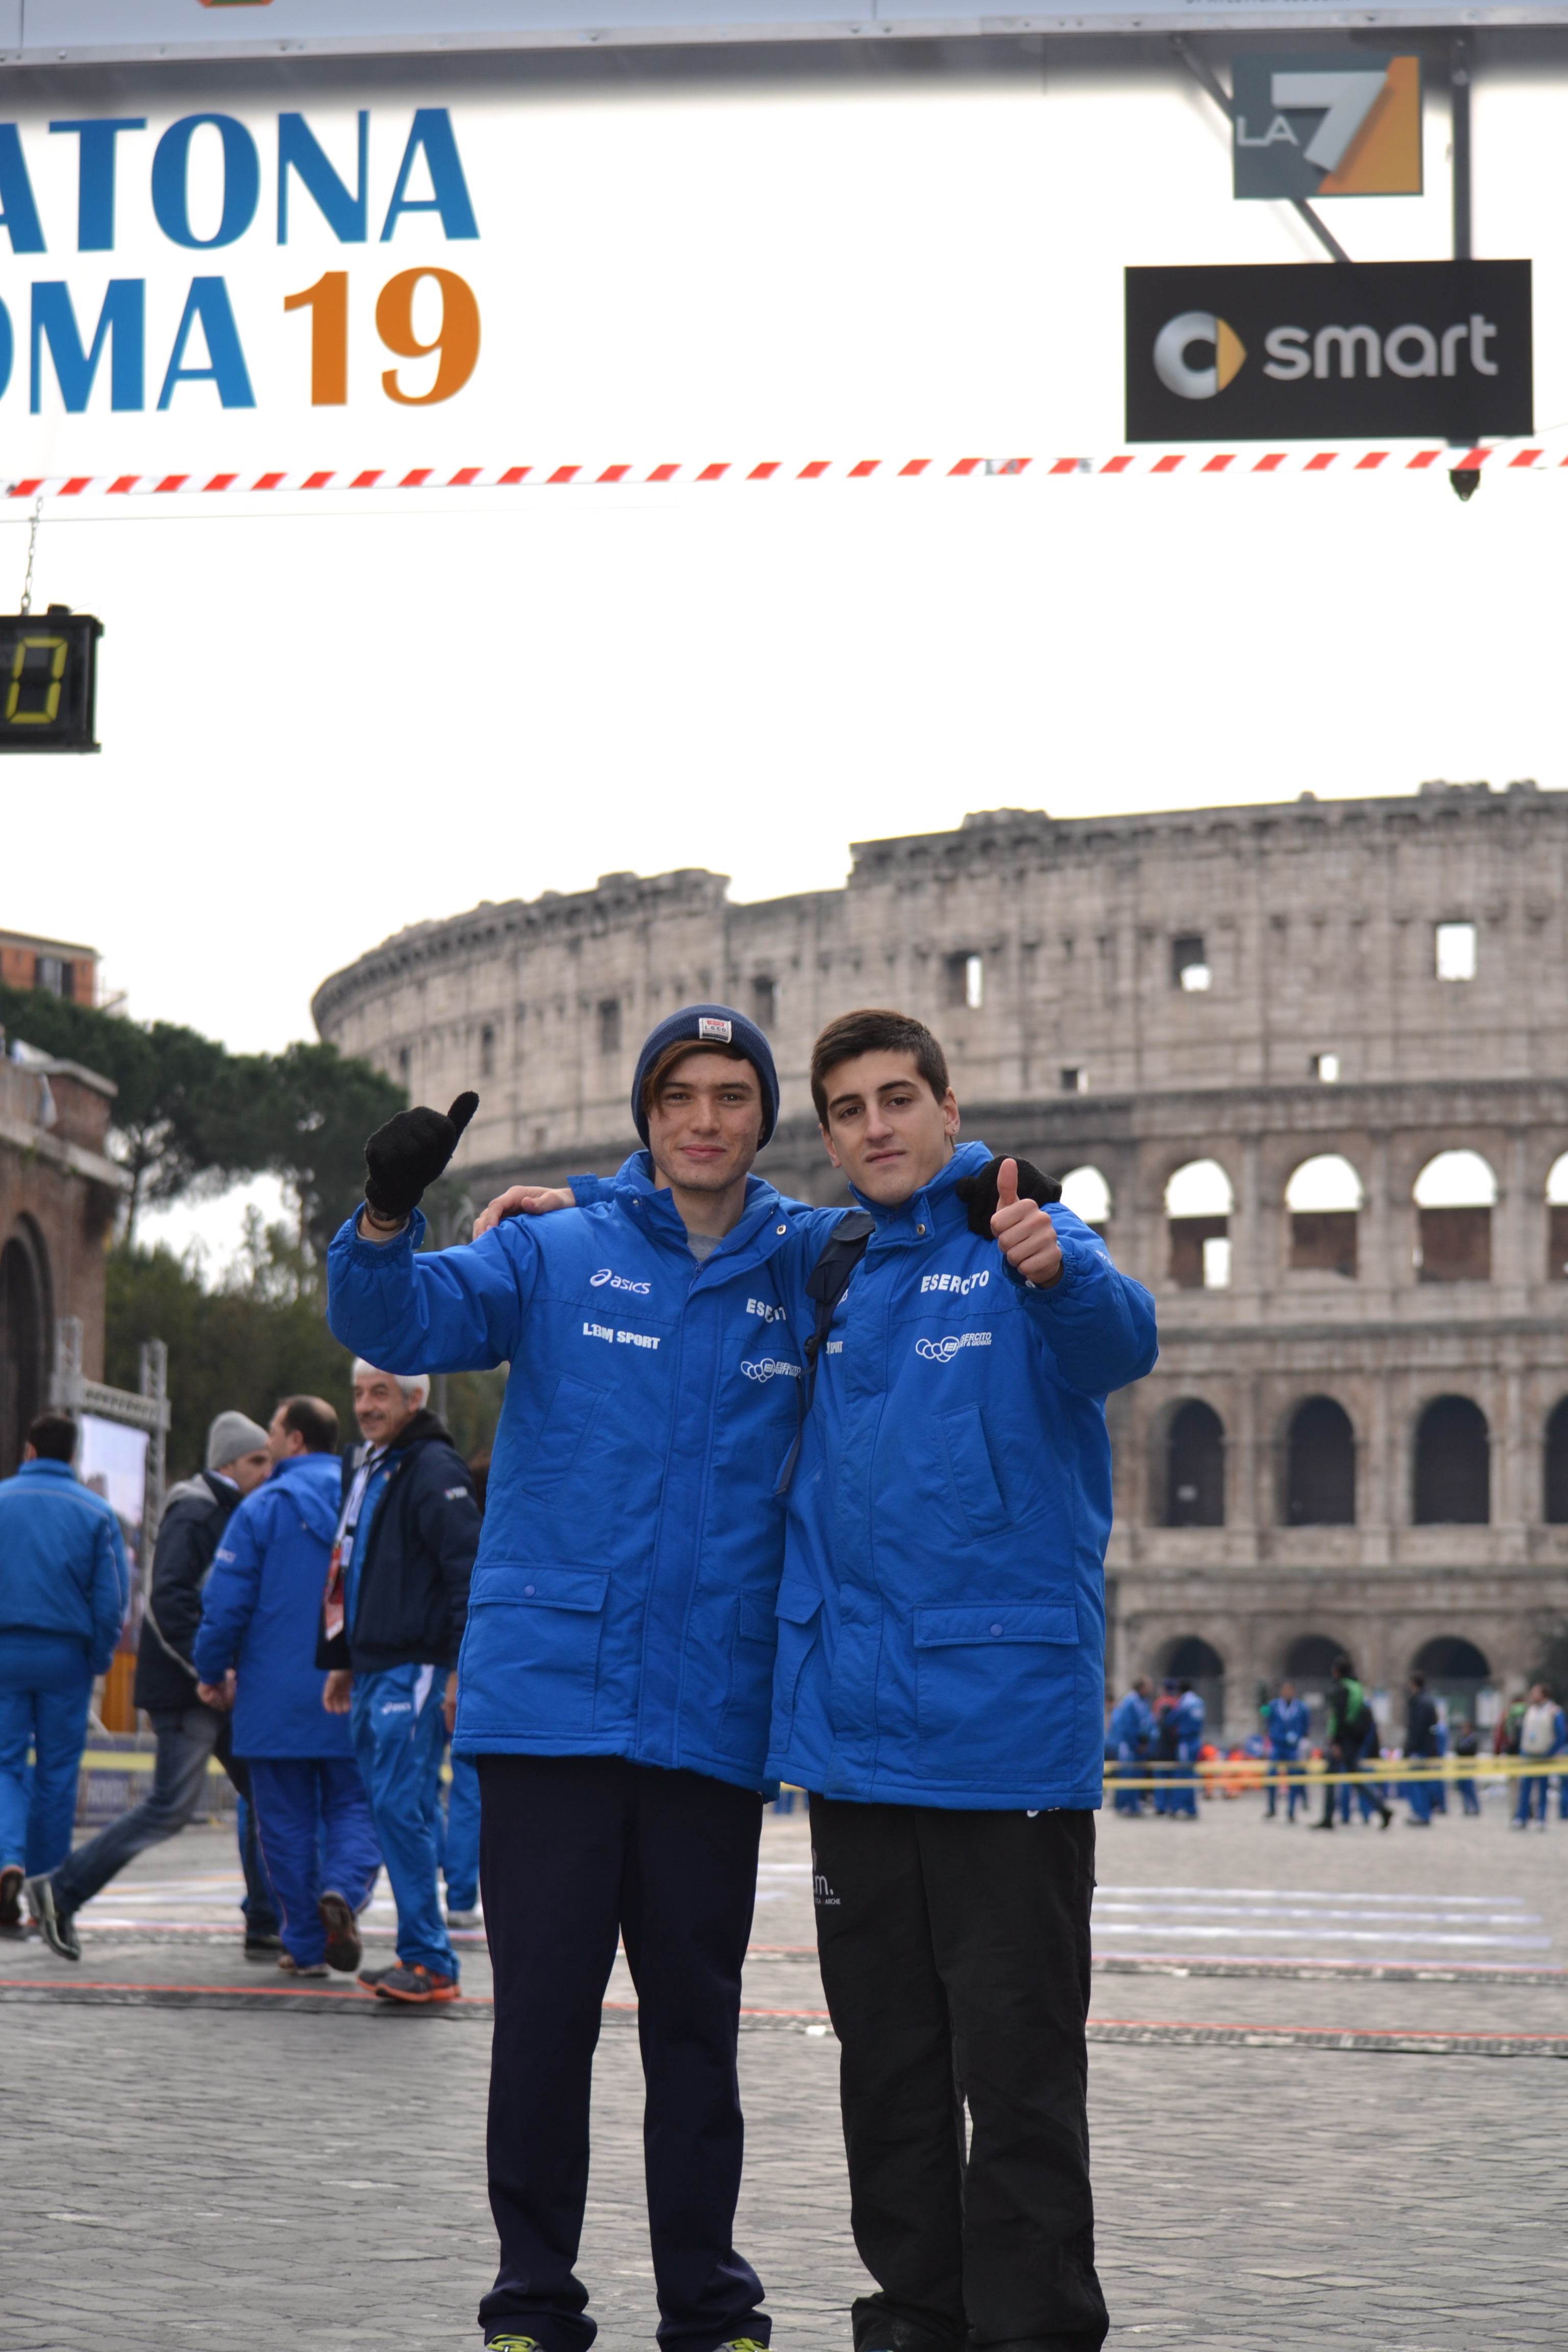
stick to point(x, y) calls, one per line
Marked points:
point(311, 1482)
point(936, 1204)
point(419, 1429)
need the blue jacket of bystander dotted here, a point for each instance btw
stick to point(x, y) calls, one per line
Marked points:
point(260, 1609)
point(62, 1562)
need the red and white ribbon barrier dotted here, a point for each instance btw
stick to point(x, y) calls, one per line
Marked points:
point(1504, 457)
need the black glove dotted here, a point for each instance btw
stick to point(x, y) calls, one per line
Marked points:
point(410, 1151)
point(980, 1190)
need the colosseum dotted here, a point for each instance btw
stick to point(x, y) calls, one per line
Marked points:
point(1306, 1063)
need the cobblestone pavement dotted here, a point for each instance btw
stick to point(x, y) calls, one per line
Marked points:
point(267, 2177)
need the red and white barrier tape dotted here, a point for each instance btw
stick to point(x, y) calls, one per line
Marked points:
point(1506, 457)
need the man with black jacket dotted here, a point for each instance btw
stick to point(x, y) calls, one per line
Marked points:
point(1420, 1747)
point(188, 1733)
point(393, 1618)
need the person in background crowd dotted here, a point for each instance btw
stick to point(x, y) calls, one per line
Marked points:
point(1438, 1790)
point(1465, 1746)
point(1351, 1728)
point(1127, 1740)
point(255, 1650)
point(1508, 1725)
point(1164, 1741)
point(64, 1586)
point(460, 1825)
point(1542, 1732)
point(1186, 1720)
point(1285, 1728)
point(188, 1733)
point(1420, 1748)
point(392, 1621)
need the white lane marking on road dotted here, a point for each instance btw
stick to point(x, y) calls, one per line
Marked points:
point(1324, 1936)
point(1362, 1916)
point(1302, 1895)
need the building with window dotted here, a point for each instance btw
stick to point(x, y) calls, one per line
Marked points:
point(1304, 1066)
point(54, 965)
point(58, 1196)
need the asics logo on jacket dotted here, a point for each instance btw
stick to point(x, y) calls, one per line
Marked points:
point(618, 1282)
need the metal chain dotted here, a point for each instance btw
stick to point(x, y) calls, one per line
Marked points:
point(32, 550)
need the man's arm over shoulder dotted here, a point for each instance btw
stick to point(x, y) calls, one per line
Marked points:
point(1096, 1321)
point(233, 1589)
point(448, 1518)
point(454, 1311)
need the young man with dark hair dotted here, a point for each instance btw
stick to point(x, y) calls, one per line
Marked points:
point(255, 1652)
point(64, 1585)
point(617, 1669)
point(940, 1692)
point(189, 1734)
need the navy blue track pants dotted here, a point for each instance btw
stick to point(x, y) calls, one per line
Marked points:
point(574, 1850)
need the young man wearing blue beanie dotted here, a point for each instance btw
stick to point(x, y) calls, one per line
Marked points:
point(615, 1676)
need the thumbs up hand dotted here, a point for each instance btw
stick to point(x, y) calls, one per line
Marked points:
point(1025, 1235)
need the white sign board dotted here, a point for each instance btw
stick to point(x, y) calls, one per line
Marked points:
point(65, 31)
point(112, 1461)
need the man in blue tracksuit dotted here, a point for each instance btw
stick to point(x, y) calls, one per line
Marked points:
point(1127, 1741)
point(64, 1585)
point(1285, 1727)
point(940, 1692)
point(615, 1676)
point(255, 1650)
point(1187, 1719)
point(396, 1604)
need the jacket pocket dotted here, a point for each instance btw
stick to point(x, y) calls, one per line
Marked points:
point(565, 1431)
point(995, 1692)
point(969, 1470)
point(743, 1732)
point(799, 1614)
point(531, 1659)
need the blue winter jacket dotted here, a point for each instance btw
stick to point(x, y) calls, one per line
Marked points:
point(941, 1616)
point(261, 1609)
point(1190, 1717)
point(622, 1598)
point(62, 1562)
point(1286, 1723)
point(1131, 1725)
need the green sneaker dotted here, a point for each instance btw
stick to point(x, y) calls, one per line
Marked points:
point(513, 2344)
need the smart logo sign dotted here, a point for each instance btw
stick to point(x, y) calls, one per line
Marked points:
point(198, 268)
point(1374, 351)
point(1326, 126)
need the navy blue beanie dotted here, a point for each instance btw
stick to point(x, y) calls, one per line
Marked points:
point(710, 1024)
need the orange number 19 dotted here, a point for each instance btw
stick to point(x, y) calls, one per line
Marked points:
point(457, 339)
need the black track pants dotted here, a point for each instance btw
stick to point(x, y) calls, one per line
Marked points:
point(571, 1850)
point(956, 1962)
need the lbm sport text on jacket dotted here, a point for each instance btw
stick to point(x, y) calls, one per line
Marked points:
point(622, 1598)
point(941, 1614)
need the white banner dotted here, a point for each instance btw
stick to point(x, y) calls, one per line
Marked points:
point(60, 32)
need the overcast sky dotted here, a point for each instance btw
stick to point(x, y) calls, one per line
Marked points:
point(324, 718)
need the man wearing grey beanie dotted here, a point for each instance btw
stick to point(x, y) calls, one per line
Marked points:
point(239, 1457)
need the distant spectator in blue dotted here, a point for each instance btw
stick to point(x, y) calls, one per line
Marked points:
point(64, 1585)
point(1285, 1724)
point(1420, 1748)
point(255, 1651)
point(189, 1734)
point(1186, 1721)
point(1128, 1739)
point(1465, 1747)
point(1542, 1732)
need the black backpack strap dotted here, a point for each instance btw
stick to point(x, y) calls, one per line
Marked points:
point(827, 1283)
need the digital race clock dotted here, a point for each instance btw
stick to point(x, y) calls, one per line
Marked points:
point(48, 680)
